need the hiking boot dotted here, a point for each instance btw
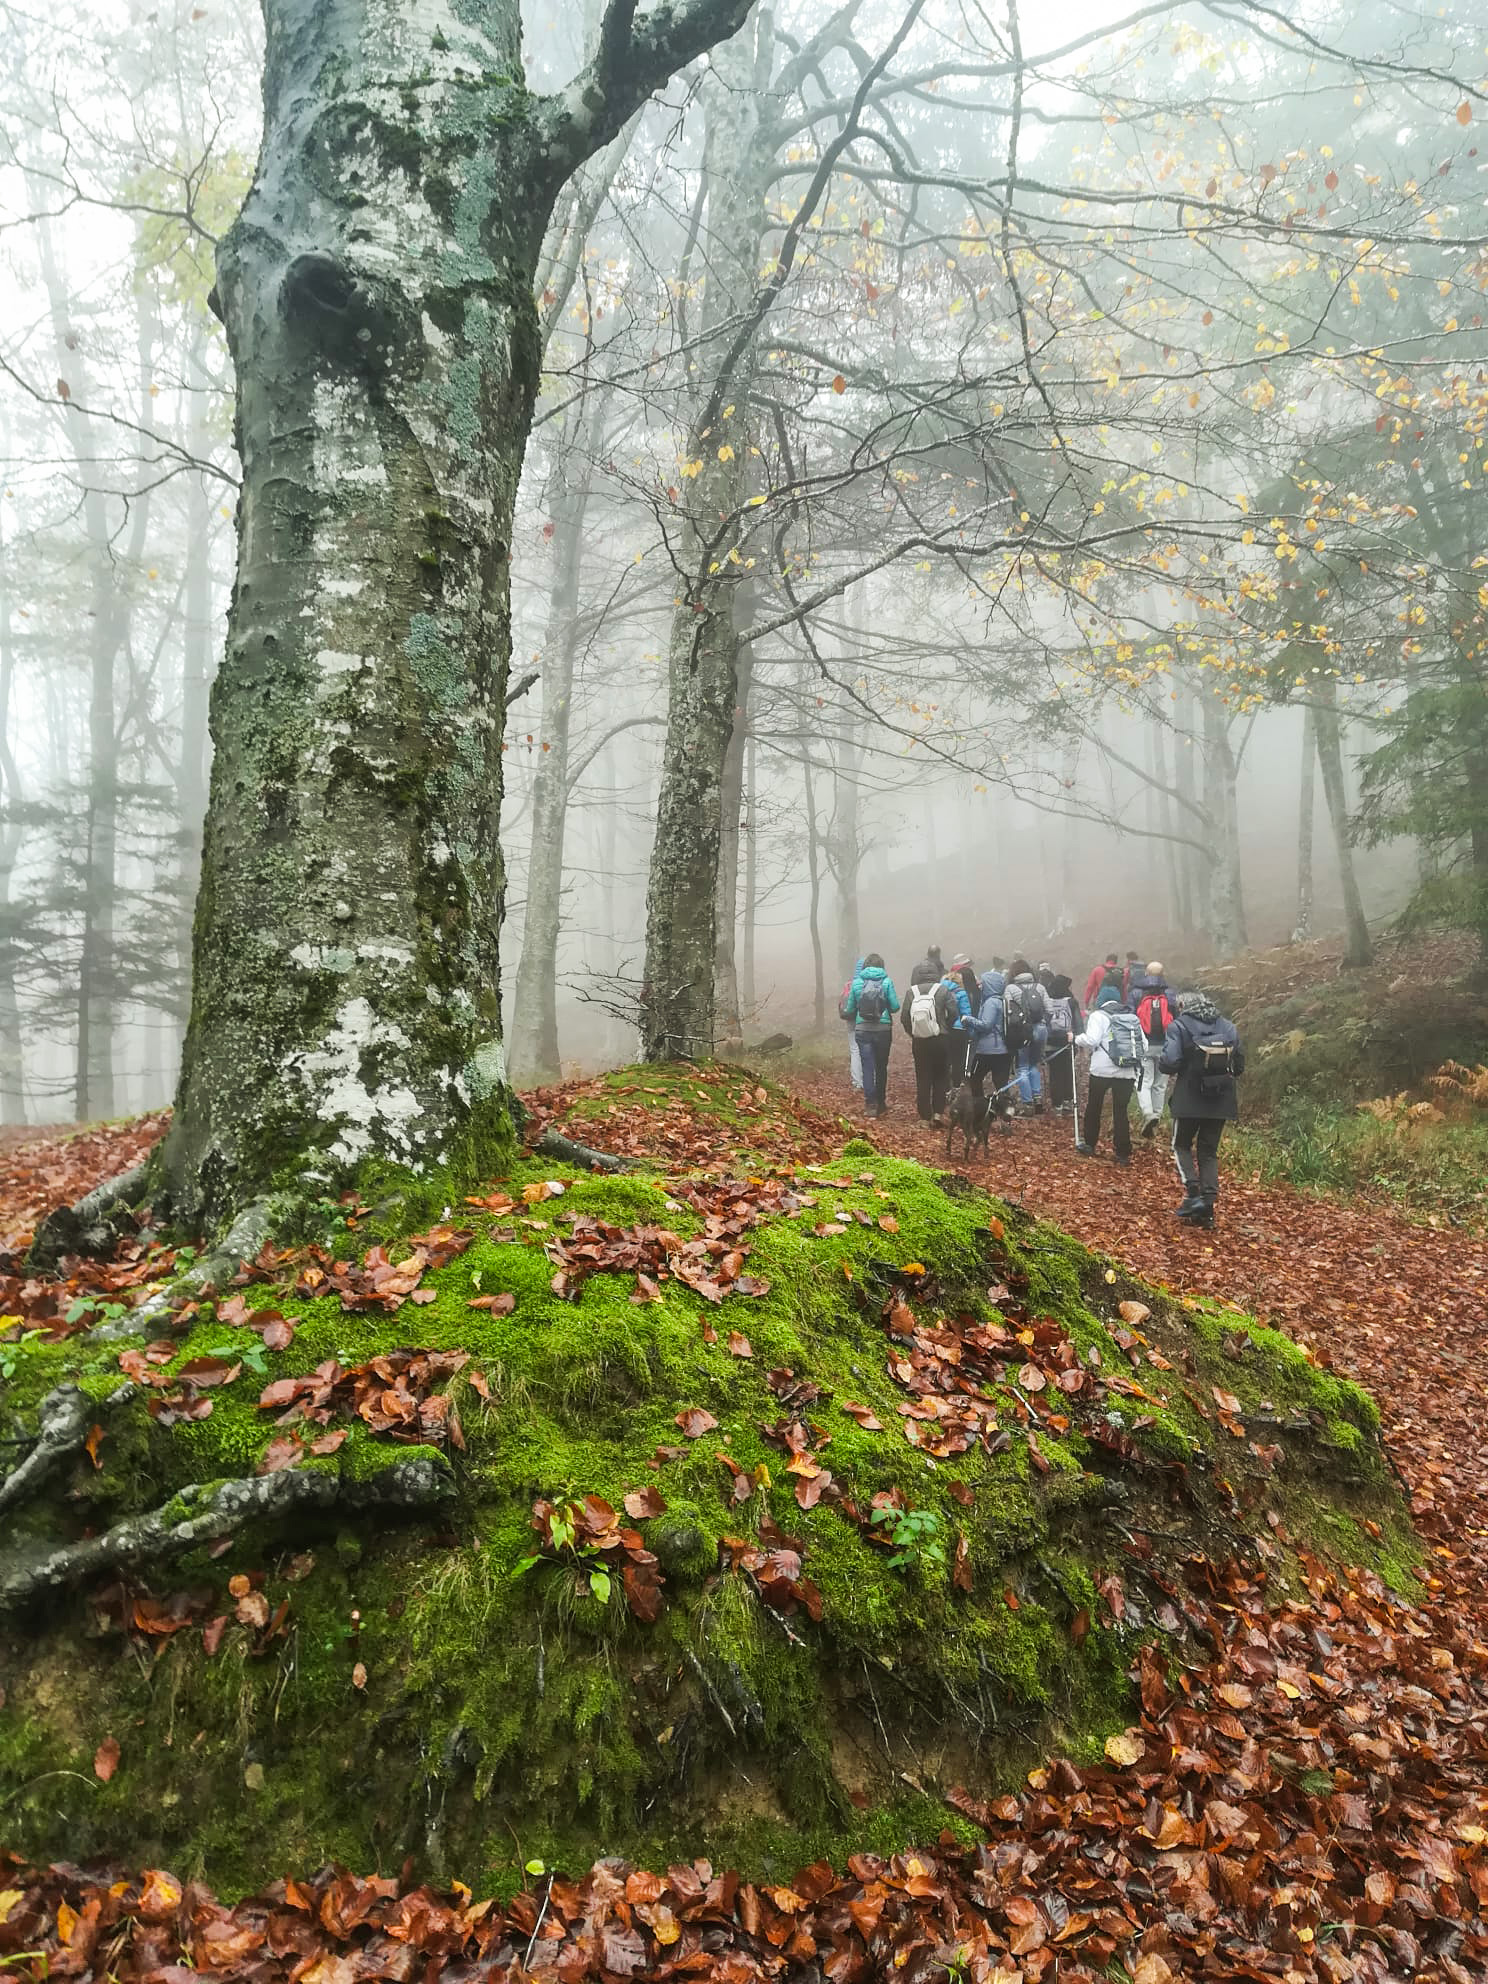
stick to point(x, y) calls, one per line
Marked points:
point(1149, 1126)
point(1202, 1215)
point(1084, 1150)
point(1193, 1200)
point(1122, 1157)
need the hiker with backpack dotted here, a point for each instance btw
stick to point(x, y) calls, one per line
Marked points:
point(958, 1040)
point(1151, 1001)
point(1097, 977)
point(1108, 992)
point(871, 1005)
point(854, 1053)
point(929, 1018)
point(1203, 1053)
point(1065, 1022)
point(1026, 1027)
point(990, 1055)
point(1114, 1037)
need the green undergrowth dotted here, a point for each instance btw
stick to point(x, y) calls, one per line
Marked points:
point(1430, 1170)
point(424, 1701)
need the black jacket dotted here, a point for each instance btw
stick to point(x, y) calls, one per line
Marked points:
point(1197, 1094)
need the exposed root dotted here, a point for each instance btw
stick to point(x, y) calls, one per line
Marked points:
point(61, 1429)
point(553, 1144)
point(86, 1228)
point(206, 1511)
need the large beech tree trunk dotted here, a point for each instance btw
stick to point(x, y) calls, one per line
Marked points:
point(377, 295)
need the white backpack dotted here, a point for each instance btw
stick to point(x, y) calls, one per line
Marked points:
point(924, 1018)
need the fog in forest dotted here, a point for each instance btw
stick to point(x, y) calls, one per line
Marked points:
point(1012, 479)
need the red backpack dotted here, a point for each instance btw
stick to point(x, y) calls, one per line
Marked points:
point(1154, 1011)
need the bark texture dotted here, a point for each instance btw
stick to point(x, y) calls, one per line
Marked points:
point(377, 295)
point(678, 1003)
point(1306, 805)
point(1357, 949)
point(534, 1011)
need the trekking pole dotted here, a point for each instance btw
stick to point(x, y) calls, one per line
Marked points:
point(1075, 1090)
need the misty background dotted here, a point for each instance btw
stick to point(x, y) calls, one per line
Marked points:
point(967, 718)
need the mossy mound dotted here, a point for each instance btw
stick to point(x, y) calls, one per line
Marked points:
point(420, 1694)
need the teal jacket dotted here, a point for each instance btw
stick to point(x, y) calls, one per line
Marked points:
point(873, 973)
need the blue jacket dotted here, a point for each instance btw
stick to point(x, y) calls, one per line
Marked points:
point(987, 1036)
point(963, 1004)
point(873, 973)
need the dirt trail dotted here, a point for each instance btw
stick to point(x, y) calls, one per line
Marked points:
point(1400, 1307)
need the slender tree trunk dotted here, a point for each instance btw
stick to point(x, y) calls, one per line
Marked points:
point(1227, 896)
point(678, 1006)
point(1174, 866)
point(534, 1013)
point(748, 991)
point(1357, 948)
point(1194, 869)
point(109, 567)
point(377, 293)
point(198, 644)
point(846, 852)
point(731, 805)
point(12, 1056)
point(813, 872)
point(1306, 807)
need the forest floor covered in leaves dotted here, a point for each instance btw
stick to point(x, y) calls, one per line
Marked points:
point(1310, 1802)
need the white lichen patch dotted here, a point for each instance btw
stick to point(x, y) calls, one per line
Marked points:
point(485, 1071)
point(367, 1120)
point(322, 957)
point(331, 661)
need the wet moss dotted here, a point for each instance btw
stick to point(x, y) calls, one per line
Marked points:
point(503, 1717)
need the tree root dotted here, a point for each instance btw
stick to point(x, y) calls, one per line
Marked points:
point(206, 1511)
point(552, 1144)
point(61, 1428)
point(85, 1228)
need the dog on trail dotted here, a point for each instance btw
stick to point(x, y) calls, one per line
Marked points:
point(971, 1114)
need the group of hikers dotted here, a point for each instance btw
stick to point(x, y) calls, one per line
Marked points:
point(1020, 1028)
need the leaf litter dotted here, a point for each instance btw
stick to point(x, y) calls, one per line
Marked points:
point(1310, 1802)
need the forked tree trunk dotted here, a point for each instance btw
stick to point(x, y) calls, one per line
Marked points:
point(377, 293)
point(1357, 947)
point(1306, 807)
point(678, 1004)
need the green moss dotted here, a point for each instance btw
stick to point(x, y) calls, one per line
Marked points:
point(505, 1717)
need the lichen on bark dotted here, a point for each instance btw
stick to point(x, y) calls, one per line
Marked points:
point(377, 294)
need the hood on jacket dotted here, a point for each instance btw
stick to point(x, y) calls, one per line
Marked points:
point(872, 971)
point(1025, 978)
point(993, 984)
point(1197, 1006)
point(1061, 985)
